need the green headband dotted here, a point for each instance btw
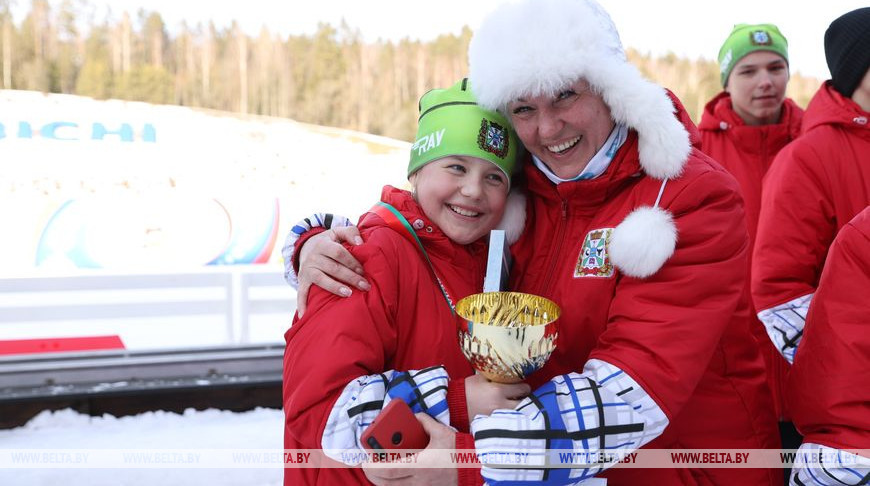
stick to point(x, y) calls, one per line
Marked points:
point(746, 39)
point(451, 123)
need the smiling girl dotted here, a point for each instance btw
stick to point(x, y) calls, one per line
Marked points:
point(424, 250)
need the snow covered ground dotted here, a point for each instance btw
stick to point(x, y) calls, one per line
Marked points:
point(149, 434)
point(56, 148)
point(161, 166)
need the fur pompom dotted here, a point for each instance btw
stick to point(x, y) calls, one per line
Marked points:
point(643, 242)
point(514, 219)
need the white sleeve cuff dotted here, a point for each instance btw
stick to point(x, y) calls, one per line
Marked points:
point(819, 465)
point(785, 324)
point(317, 220)
point(364, 398)
point(602, 412)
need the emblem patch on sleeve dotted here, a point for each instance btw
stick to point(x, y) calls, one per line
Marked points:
point(593, 260)
point(493, 138)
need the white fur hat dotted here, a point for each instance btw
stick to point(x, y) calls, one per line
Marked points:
point(539, 47)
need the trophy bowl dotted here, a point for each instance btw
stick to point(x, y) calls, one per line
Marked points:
point(507, 335)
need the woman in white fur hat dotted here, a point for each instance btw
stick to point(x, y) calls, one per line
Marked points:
point(642, 241)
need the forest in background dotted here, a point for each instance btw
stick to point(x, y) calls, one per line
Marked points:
point(331, 77)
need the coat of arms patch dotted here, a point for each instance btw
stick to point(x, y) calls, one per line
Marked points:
point(761, 38)
point(593, 260)
point(493, 138)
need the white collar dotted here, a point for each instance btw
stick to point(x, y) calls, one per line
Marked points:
point(599, 162)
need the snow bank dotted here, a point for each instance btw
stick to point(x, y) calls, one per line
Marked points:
point(208, 429)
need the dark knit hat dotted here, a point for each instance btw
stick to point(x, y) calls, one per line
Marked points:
point(847, 50)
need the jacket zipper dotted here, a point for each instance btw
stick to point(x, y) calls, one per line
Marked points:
point(558, 251)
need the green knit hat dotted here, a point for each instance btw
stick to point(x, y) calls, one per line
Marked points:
point(746, 39)
point(451, 123)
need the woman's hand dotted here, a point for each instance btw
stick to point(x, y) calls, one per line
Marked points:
point(429, 465)
point(324, 262)
point(483, 396)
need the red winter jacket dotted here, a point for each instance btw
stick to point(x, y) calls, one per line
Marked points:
point(683, 333)
point(747, 151)
point(817, 184)
point(402, 323)
point(828, 385)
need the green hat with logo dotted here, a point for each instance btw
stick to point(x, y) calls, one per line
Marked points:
point(746, 39)
point(451, 123)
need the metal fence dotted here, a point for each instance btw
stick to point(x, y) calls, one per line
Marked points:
point(212, 306)
point(211, 327)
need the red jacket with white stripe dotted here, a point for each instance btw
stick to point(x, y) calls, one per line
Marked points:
point(747, 151)
point(682, 333)
point(828, 385)
point(817, 184)
point(402, 323)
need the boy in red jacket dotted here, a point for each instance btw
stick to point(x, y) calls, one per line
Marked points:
point(743, 128)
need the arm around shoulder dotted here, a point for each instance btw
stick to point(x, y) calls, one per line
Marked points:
point(300, 233)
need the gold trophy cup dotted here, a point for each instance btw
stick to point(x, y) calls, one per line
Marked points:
point(507, 335)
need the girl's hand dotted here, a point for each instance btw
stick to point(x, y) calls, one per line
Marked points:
point(432, 465)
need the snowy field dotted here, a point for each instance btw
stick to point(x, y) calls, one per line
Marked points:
point(149, 433)
point(156, 169)
point(163, 189)
point(156, 181)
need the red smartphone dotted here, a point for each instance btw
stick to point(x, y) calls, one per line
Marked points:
point(395, 428)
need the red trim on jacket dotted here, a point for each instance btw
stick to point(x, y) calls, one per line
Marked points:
point(458, 405)
point(467, 476)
